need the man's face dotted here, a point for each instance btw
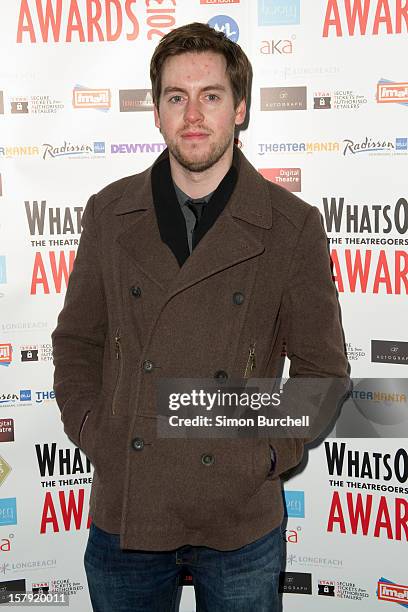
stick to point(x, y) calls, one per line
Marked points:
point(196, 112)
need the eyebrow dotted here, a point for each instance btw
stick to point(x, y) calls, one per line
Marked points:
point(215, 87)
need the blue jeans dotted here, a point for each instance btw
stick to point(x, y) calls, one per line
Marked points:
point(241, 580)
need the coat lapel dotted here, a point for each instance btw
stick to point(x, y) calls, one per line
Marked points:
point(141, 239)
point(227, 243)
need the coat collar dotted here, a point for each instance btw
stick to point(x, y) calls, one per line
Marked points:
point(249, 201)
point(226, 244)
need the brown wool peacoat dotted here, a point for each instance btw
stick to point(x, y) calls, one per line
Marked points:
point(132, 315)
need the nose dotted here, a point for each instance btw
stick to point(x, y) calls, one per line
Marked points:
point(193, 113)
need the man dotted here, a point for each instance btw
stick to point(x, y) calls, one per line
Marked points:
point(196, 268)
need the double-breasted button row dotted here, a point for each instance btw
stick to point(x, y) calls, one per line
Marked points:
point(135, 291)
point(238, 298)
point(221, 374)
point(138, 444)
point(147, 365)
point(207, 459)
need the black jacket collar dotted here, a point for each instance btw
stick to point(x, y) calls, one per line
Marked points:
point(170, 218)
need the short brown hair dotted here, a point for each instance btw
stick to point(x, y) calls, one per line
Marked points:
point(199, 37)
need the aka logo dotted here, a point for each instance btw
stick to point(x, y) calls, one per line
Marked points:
point(226, 25)
point(284, 46)
point(291, 536)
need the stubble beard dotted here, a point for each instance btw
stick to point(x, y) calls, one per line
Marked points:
point(215, 154)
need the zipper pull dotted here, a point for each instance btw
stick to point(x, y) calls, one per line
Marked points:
point(251, 362)
point(117, 344)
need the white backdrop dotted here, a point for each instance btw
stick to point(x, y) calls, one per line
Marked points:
point(321, 125)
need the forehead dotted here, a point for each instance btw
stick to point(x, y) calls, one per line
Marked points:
point(194, 68)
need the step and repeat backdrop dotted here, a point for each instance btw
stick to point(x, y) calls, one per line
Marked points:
point(329, 122)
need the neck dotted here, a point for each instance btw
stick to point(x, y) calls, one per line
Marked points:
point(199, 184)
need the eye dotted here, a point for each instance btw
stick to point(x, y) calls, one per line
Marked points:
point(212, 97)
point(175, 99)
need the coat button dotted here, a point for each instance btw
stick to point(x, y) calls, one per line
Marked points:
point(207, 459)
point(136, 291)
point(221, 374)
point(148, 365)
point(238, 298)
point(138, 444)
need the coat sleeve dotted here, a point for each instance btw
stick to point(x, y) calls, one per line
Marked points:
point(314, 340)
point(79, 338)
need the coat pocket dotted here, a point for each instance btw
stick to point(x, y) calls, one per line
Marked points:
point(204, 482)
point(119, 360)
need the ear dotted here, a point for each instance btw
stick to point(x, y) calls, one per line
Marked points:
point(156, 117)
point(240, 112)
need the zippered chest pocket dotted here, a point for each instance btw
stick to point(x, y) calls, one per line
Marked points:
point(119, 361)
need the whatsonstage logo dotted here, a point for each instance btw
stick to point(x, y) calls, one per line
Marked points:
point(372, 269)
point(369, 490)
point(61, 469)
point(51, 227)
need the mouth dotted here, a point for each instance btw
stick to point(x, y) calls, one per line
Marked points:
point(190, 136)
